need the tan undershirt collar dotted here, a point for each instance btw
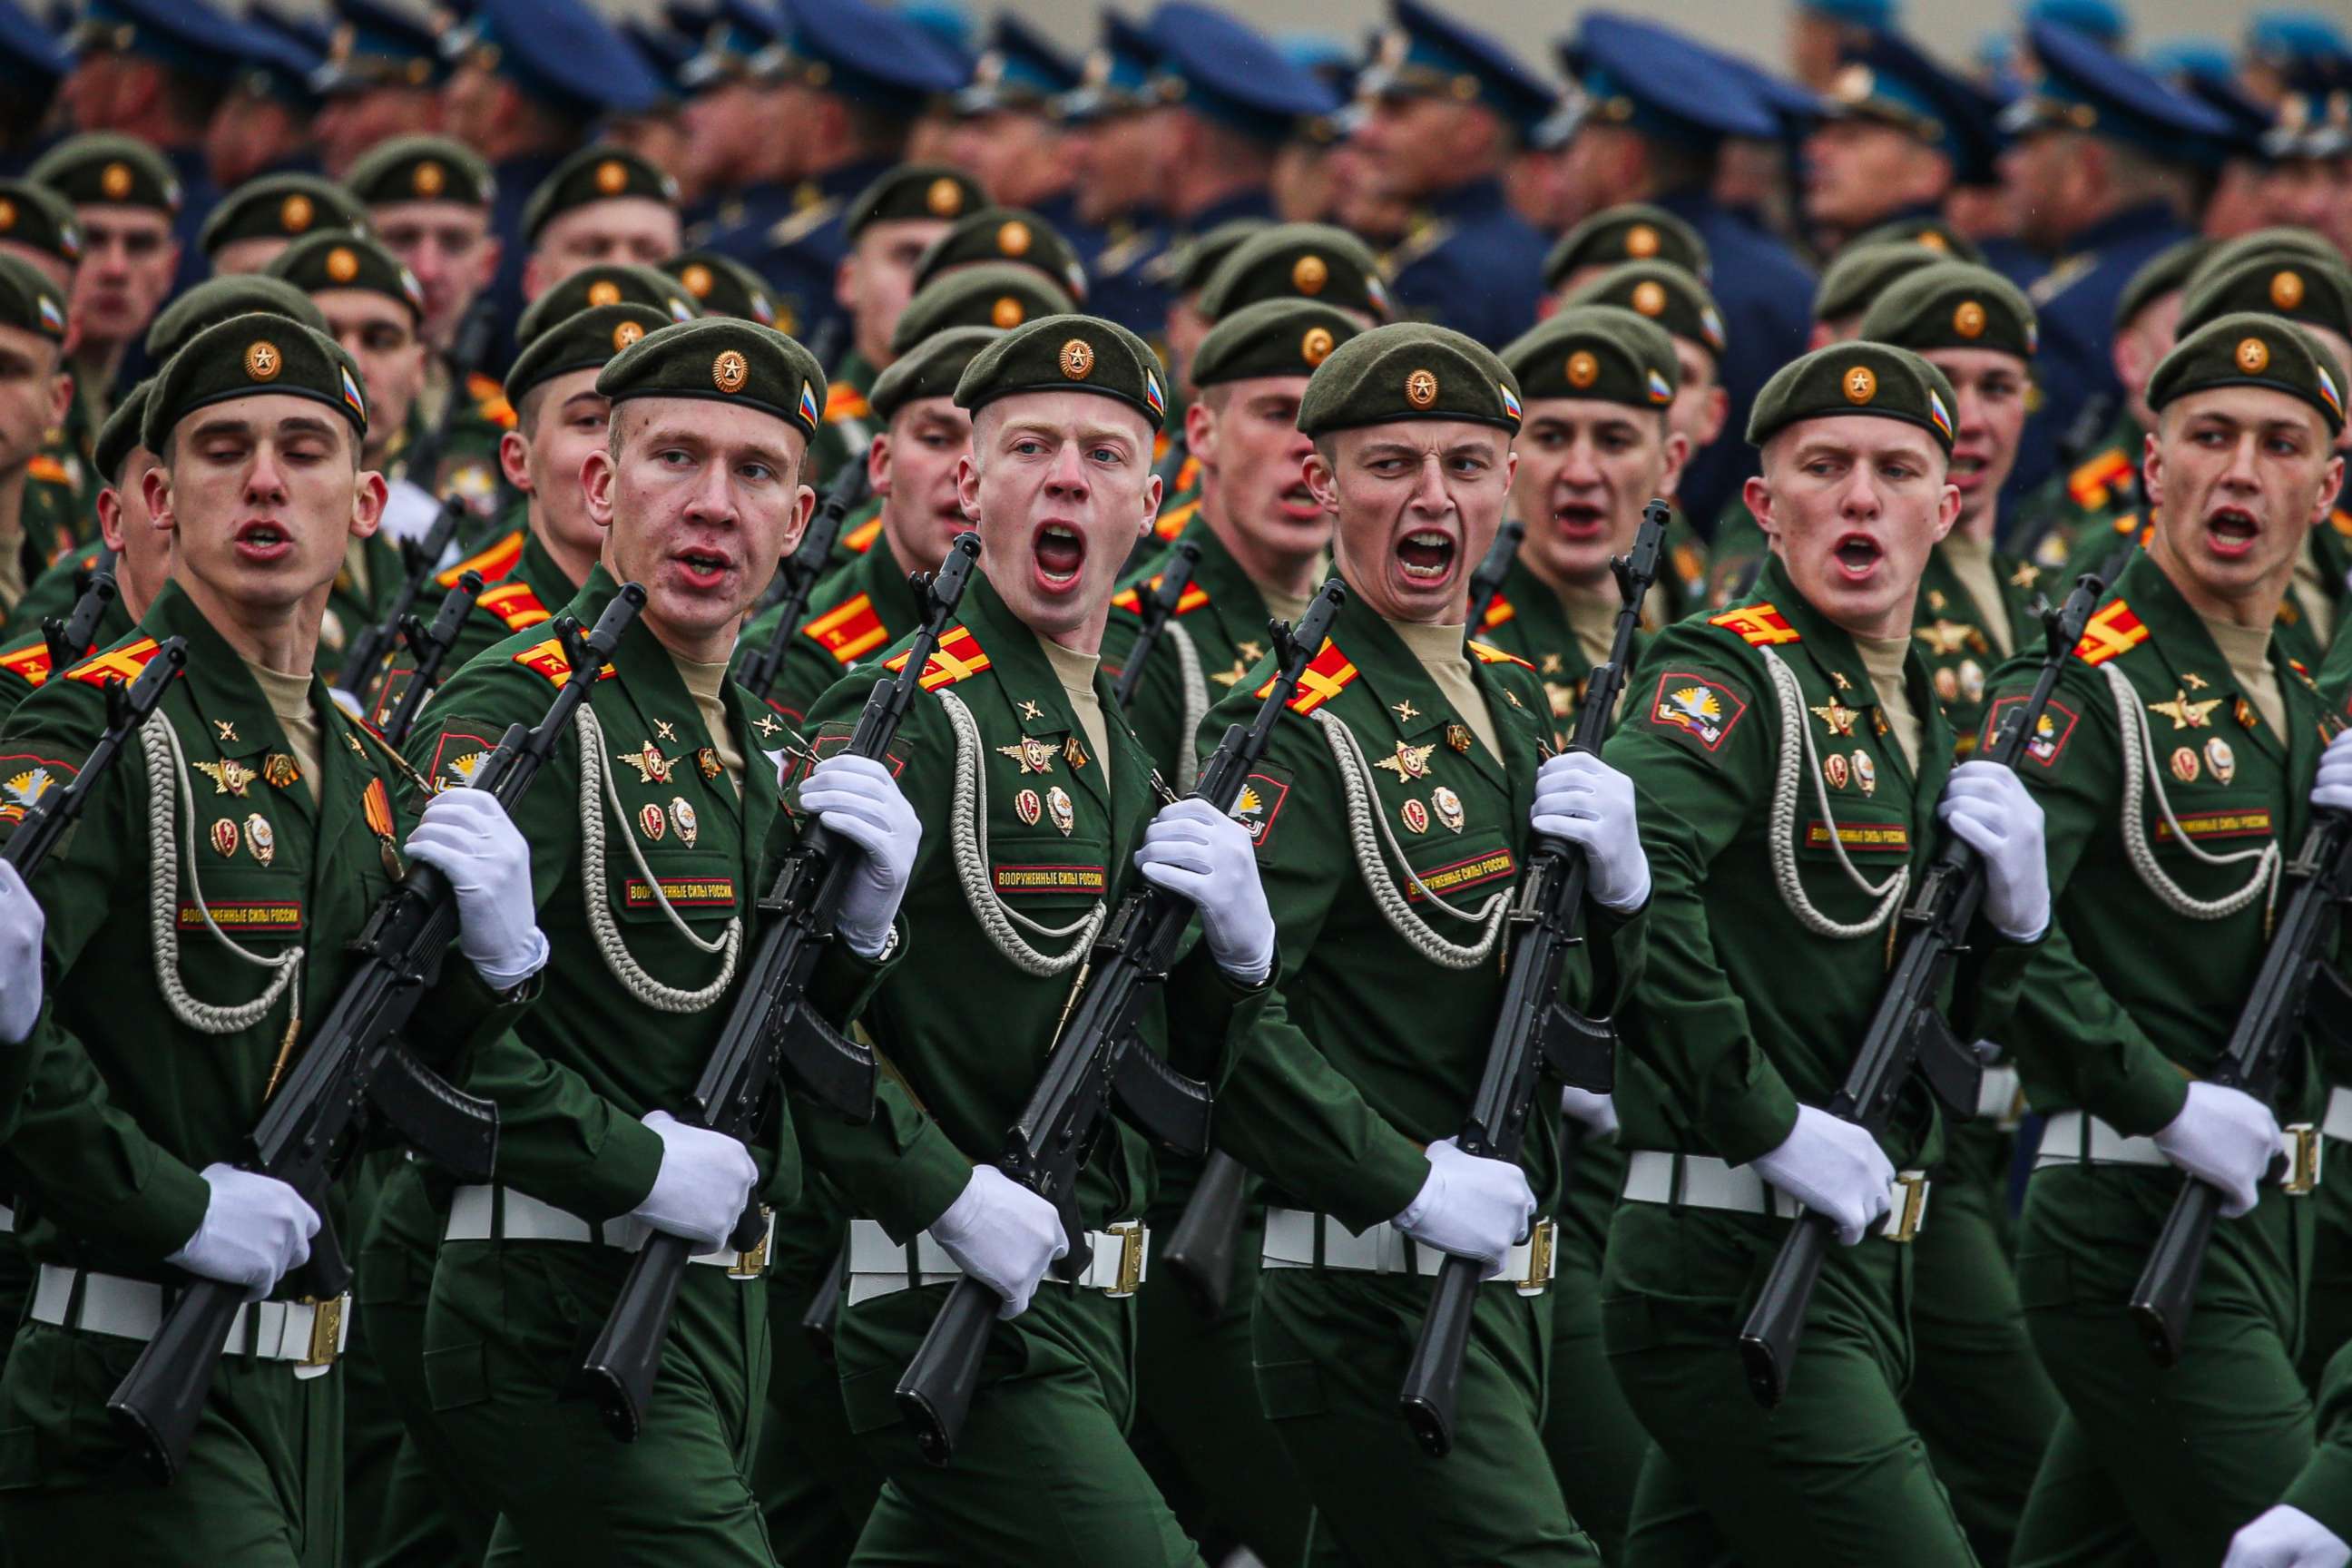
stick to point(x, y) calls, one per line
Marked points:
point(1883, 659)
point(289, 699)
point(1439, 649)
point(1075, 672)
point(2247, 651)
point(707, 684)
point(1971, 562)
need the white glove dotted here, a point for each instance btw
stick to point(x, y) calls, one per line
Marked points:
point(857, 798)
point(2288, 1538)
point(2226, 1137)
point(1583, 799)
point(255, 1231)
point(2333, 789)
point(704, 1184)
point(1197, 852)
point(21, 925)
point(1597, 1112)
point(1989, 809)
point(1471, 1206)
point(465, 835)
point(1833, 1168)
point(1003, 1235)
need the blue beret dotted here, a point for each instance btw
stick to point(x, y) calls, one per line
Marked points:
point(2085, 86)
point(730, 37)
point(27, 45)
point(276, 64)
point(947, 24)
point(310, 35)
point(184, 35)
point(2102, 20)
point(375, 45)
point(1218, 67)
point(1655, 80)
point(1429, 53)
point(560, 52)
point(1877, 15)
point(2292, 37)
point(1887, 80)
point(667, 54)
point(1116, 76)
point(864, 52)
point(1021, 69)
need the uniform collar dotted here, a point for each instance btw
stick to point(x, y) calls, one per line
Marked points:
point(1473, 198)
point(537, 570)
point(1409, 696)
point(2149, 220)
point(1838, 663)
point(2192, 664)
point(1234, 598)
point(1025, 675)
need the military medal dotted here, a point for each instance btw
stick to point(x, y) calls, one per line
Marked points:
point(225, 837)
point(228, 728)
point(1406, 711)
point(681, 817)
point(1028, 807)
point(2185, 714)
point(1837, 716)
point(1878, 724)
point(2223, 760)
point(229, 777)
point(651, 765)
point(1448, 806)
point(260, 839)
point(2246, 716)
point(375, 806)
point(1948, 685)
point(1058, 806)
point(1074, 753)
point(1416, 816)
point(707, 760)
point(278, 770)
point(1834, 769)
point(2184, 764)
point(1033, 755)
point(662, 727)
point(1030, 711)
point(1409, 762)
point(651, 820)
point(1972, 681)
point(1865, 773)
point(1458, 737)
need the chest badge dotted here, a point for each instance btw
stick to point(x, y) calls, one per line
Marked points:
point(2184, 764)
point(2185, 714)
point(1030, 711)
point(1416, 816)
point(707, 760)
point(260, 839)
point(1837, 716)
point(1409, 762)
point(1058, 807)
point(651, 823)
point(1836, 769)
point(1406, 711)
point(1944, 639)
point(2244, 712)
point(278, 772)
point(1865, 773)
point(228, 728)
point(1551, 664)
point(1448, 806)
point(767, 726)
point(1074, 753)
point(1457, 737)
point(651, 765)
point(1033, 755)
point(682, 817)
point(1028, 806)
point(662, 727)
point(229, 777)
point(2220, 760)
point(225, 837)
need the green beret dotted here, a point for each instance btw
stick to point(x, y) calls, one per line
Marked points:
point(1855, 378)
point(1933, 232)
point(1298, 261)
point(602, 172)
point(605, 283)
point(930, 193)
point(2287, 285)
point(327, 261)
point(281, 207)
point(1186, 267)
point(1005, 234)
point(1863, 272)
point(1068, 354)
point(104, 167)
point(2253, 350)
point(217, 299)
point(119, 437)
point(722, 359)
point(37, 217)
point(722, 286)
point(1409, 370)
point(1635, 231)
point(585, 340)
point(1664, 293)
point(1953, 305)
point(29, 302)
point(1598, 354)
point(422, 169)
point(1273, 337)
point(2167, 270)
point(250, 356)
point(932, 369)
point(995, 294)
point(2274, 243)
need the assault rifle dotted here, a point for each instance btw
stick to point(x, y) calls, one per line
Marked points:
point(1156, 605)
point(431, 645)
point(797, 574)
point(72, 639)
point(127, 707)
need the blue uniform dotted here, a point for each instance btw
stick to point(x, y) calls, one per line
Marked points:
point(1124, 285)
point(799, 253)
point(1471, 264)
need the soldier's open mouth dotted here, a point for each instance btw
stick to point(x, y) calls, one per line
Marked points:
point(2232, 529)
point(1859, 554)
point(262, 540)
point(1580, 520)
point(1426, 554)
point(703, 568)
point(1061, 551)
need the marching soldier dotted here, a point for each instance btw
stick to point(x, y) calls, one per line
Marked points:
point(261, 822)
point(1894, 135)
point(1114, 134)
point(2176, 761)
point(252, 225)
point(603, 204)
point(722, 287)
point(1792, 763)
point(35, 386)
point(1628, 231)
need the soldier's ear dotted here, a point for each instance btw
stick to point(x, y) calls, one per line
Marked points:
point(2152, 469)
point(1758, 494)
point(367, 503)
point(61, 391)
point(156, 486)
point(514, 459)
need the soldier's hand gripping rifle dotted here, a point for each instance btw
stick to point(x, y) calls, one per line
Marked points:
point(2299, 962)
point(353, 1063)
point(1156, 605)
point(74, 639)
point(1487, 581)
point(127, 707)
point(772, 1028)
point(1100, 1055)
point(363, 665)
point(1906, 1033)
point(431, 645)
point(797, 574)
point(1534, 1032)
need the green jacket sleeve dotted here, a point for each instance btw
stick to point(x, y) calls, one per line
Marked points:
point(2324, 1488)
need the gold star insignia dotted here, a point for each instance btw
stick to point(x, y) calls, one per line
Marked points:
point(662, 727)
point(1843, 683)
point(1551, 664)
point(767, 725)
point(1033, 755)
point(1837, 716)
point(1406, 711)
point(1945, 638)
point(2196, 682)
point(1409, 762)
point(1563, 699)
point(1935, 598)
point(651, 765)
point(1030, 710)
point(2025, 576)
point(1512, 698)
point(1230, 677)
point(1250, 652)
point(2185, 714)
point(228, 728)
point(228, 776)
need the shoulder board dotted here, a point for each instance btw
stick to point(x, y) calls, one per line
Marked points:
point(957, 657)
point(849, 630)
point(2088, 484)
point(1326, 675)
point(515, 604)
point(48, 470)
point(546, 661)
point(490, 401)
point(1188, 473)
point(1499, 611)
point(843, 401)
point(2114, 630)
point(1487, 653)
point(30, 663)
point(2301, 668)
point(1171, 523)
point(1132, 599)
point(1759, 626)
point(2341, 520)
point(122, 663)
point(493, 562)
point(860, 539)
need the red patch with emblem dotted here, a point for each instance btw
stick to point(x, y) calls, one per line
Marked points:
point(1701, 709)
point(26, 780)
point(2050, 736)
point(1264, 794)
point(455, 756)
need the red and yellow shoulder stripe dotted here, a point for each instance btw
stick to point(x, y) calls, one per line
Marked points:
point(490, 401)
point(47, 470)
point(2112, 630)
point(2341, 520)
point(849, 630)
point(2088, 485)
point(1172, 523)
point(29, 665)
point(122, 663)
point(1488, 652)
point(1326, 675)
point(1188, 473)
point(514, 604)
point(1759, 626)
point(843, 401)
point(493, 561)
point(957, 657)
point(546, 661)
point(860, 539)
point(1132, 599)
point(1499, 610)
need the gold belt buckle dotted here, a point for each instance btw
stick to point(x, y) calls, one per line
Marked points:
point(2302, 1144)
point(1540, 1242)
point(752, 1264)
point(326, 1330)
point(1131, 1257)
point(1910, 1208)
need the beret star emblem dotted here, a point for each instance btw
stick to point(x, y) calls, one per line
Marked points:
point(262, 361)
point(730, 370)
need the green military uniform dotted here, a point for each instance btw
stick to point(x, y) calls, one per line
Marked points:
point(2324, 1487)
point(1629, 231)
point(2327, 1310)
point(1958, 634)
point(849, 428)
point(2169, 798)
point(855, 612)
point(25, 664)
point(2077, 508)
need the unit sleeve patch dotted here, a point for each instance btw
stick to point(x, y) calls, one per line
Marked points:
point(1701, 710)
point(2050, 736)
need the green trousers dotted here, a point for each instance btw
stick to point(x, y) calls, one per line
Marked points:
point(503, 1338)
point(1197, 1425)
point(815, 1483)
point(1977, 1395)
point(2150, 1465)
point(1331, 1349)
point(262, 1487)
point(1834, 1476)
point(1043, 1472)
point(1596, 1446)
point(2327, 1305)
